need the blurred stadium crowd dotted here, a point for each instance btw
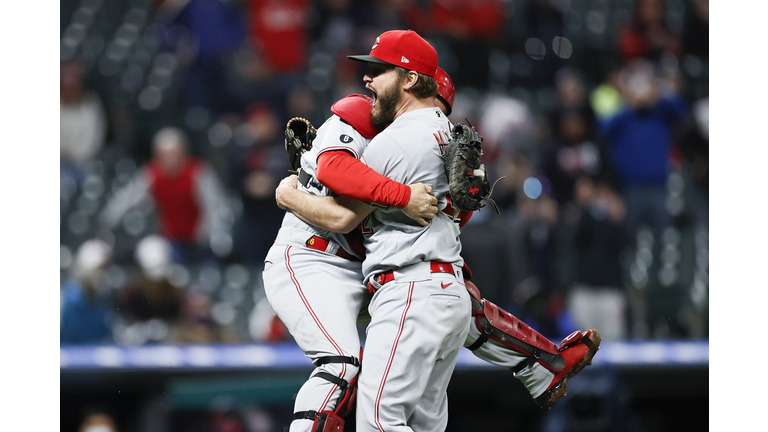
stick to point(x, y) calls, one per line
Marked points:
point(172, 114)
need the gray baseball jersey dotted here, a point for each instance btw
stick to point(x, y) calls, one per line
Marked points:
point(410, 151)
point(419, 319)
point(334, 134)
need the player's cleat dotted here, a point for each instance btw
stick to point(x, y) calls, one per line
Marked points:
point(577, 349)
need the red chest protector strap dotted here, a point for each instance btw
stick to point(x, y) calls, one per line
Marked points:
point(459, 216)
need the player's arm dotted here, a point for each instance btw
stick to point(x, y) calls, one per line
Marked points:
point(338, 214)
point(336, 168)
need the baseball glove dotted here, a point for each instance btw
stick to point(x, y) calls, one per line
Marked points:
point(467, 178)
point(299, 134)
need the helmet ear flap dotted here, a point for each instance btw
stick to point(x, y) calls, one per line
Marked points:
point(445, 90)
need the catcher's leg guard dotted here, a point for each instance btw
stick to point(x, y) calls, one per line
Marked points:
point(331, 414)
point(577, 350)
point(504, 329)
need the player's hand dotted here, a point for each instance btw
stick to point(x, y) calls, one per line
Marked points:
point(422, 205)
point(287, 185)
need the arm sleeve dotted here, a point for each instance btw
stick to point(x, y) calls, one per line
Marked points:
point(336, 168)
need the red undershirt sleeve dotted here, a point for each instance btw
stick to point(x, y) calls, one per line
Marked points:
point(342, 173)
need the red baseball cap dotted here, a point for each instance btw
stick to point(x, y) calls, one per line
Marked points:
point(404, 48)
point(445, 89)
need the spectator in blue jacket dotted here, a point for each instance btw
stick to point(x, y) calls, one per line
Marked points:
point(85, 308)
point(640, 139)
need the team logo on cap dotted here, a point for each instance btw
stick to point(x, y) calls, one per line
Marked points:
point(375, 44)
point(404, 60)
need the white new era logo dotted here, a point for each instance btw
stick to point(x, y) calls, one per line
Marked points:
point(404, 60)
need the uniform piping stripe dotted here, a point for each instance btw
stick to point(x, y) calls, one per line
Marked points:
point(392, 355)
point(317, 321)
point(337, 148)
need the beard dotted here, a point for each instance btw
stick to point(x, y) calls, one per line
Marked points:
point(384, 113)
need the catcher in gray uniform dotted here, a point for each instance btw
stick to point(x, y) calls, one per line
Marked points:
point(313, 276)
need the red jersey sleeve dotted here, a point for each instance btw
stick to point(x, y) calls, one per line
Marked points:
point(335, 169)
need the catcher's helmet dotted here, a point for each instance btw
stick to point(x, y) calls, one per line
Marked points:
point(445, 89)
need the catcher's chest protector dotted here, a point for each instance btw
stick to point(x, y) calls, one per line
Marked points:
point(356, 110)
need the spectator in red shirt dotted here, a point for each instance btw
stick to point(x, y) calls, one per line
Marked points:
point(279, 30)
point(186, 192)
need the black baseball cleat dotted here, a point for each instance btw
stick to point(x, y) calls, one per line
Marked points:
point(577, 349)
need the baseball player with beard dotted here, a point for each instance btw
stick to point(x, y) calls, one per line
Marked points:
point(418, 311)
point(541, 367)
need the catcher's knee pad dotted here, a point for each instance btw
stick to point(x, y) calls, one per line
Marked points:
point(507, 330)
point(324, 421)
point(334, 369)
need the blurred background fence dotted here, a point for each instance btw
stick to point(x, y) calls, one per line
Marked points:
point(172, 111)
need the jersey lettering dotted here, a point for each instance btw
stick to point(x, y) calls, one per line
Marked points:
point(365, 226)
point(442, 139)
point(345, 138)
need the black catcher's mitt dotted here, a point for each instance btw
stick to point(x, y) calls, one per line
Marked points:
point(299, 134)
point(467, 178)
